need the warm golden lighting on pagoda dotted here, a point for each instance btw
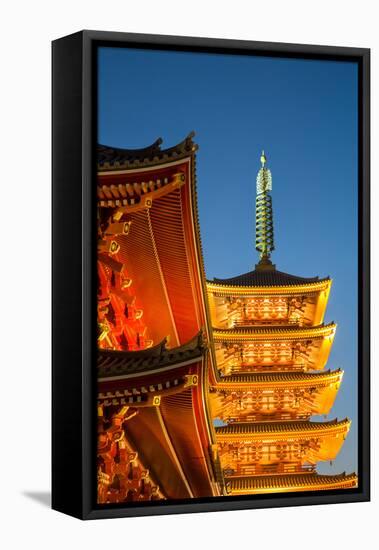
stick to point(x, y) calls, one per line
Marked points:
point(205, 388)
point(271, 346)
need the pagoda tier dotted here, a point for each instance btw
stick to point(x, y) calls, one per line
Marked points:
point(264, 297)
point(286, 483)
point(279, 348)
point(151, 281)
point(275, 396)
point(276, 447)
point(169, 428)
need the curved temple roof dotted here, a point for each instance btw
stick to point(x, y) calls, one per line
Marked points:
point(263, 379)
point(267, 277)
point(289, 482)
point(114, 158)
point(118, 363)
point(260, 429)
point(273, 332)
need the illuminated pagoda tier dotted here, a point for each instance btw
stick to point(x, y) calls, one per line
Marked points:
point(271, 348)
point(275, 396)
point(156, 438)
point(248, 448)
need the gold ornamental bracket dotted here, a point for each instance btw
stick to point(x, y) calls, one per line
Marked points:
point(191, 380)
point(118, 228)
point(132, 197)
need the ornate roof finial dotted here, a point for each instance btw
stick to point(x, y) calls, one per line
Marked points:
point(264, 224)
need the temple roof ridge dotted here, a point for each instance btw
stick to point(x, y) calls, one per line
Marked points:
point(119, 362)
point(267, 277)
point(111, 158)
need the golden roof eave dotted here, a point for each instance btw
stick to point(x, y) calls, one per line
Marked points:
point(281, 430)
point(304, 288)
point(249, 381)
point(290, 482)
point(274, 333)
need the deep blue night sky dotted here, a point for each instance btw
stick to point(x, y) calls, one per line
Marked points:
point(304, 115)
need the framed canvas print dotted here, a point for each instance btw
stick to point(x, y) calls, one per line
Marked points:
point(210, 274)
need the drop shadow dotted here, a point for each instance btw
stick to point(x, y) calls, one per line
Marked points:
point(42, 497)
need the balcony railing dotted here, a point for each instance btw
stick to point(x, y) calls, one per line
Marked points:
point(271, 469)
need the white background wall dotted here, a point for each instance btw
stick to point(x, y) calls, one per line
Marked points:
point(27, 29)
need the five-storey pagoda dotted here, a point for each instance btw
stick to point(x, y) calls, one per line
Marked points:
point(271, 347)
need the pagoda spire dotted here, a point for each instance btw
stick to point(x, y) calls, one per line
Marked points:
point(264, 224)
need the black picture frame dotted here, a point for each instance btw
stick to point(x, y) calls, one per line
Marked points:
point(73, 272)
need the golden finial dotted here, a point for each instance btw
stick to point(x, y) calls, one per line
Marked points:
point(264, 223)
